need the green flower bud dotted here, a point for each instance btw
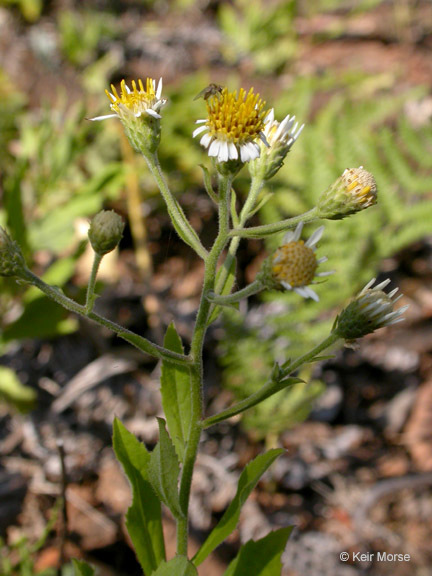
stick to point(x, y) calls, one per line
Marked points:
point(371, 309)
point(355, 190)
point(12, 261)
point(106, 231)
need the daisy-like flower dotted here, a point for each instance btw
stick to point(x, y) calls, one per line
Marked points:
point(280, 137)
point(139, 111)
point(371, 309)
point(233, 125)
point(354, 190)
point(135, 102)
point(283, 133)
point(293, 265)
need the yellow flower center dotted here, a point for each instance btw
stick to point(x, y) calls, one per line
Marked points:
point(294, 263)
point(136, 100)
point(236, 118)
point(361, 185)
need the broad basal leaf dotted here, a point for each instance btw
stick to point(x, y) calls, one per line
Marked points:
point(247, 481)
point(143, 519)
point(176, 395)
point(261, 557)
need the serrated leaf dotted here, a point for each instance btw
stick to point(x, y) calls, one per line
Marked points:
point(247, 482)
point(81, 568)
point(164, 470)
point(144, 517)
point(175, 390)
point(261, 557)
point(178, 566)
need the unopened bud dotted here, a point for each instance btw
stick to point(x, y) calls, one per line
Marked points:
point(371, 309)
point(355, 190)
point(12, 261)
point(106, 231)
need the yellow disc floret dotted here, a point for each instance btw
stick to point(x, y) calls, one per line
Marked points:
point(360, 185)
point(237, 118)
point(136, 100)
point(295, 264)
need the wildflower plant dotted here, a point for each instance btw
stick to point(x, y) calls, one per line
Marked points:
point(237, 132)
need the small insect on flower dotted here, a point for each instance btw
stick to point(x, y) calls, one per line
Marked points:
point(209, 91)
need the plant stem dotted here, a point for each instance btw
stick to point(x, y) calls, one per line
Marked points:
point(235, 297)
point(179, 220)
point(196, 370)
point(90, 297)
point(270, 387)
point(138, 341)
point(256, 187)
point(268, 229)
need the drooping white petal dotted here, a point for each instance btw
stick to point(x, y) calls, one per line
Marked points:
point(214, 148)
point(223, 152)
point(199, 130)
point(316, 236)
point(154, 114)
point(205, 140)
point(232, 151)
point(98, 118)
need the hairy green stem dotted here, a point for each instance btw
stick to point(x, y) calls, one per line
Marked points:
point(90, 297)
point(268, 229)
point(270, 387)
point(138, 341)
point(196, 370)
point(235, 297)
point(250, 202)
point(180, 222)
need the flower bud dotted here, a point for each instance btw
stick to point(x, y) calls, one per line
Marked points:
point(12, 261)
point(371, 309)
point(355, 190)
point(105, 232)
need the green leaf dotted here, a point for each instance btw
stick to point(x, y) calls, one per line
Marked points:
point(247, 482)
point(261, 557)
point(226, 289)
point(144, 518)
point(42, 318)
point(164, 470)
point(178, 566)
point(15, 393)
point(208, 184)
point(175, 389)
point(82, 568)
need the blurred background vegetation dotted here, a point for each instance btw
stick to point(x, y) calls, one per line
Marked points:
point(57, 169)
